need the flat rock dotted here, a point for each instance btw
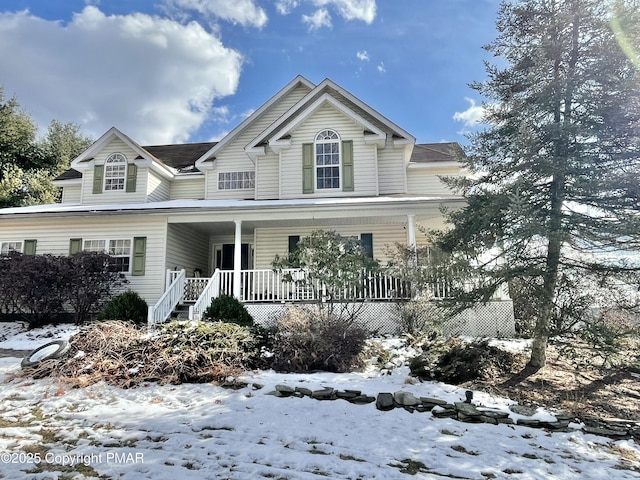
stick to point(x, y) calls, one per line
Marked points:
point(406, 399)
point(606, 432)
point(326, 393)
point(285, 389)
point(522, 410)
point(385, 402)
point(432, 401)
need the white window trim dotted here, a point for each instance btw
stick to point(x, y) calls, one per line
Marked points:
point(315, 159)
point(116, 158)
point(107, 242)
point(7, 245)
point(247, 182)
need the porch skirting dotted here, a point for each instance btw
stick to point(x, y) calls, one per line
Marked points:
point(494, 319)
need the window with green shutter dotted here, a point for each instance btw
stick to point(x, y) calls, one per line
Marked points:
point(29, 247)
point(347, 166)
point(307, 168)
point(98, 178)
point(132, 172)
point(75, 246)
point(139, 255)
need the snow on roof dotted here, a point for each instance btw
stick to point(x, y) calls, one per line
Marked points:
point(219, 204)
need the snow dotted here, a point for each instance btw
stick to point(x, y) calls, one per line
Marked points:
point(222, 204)
point(207, 432)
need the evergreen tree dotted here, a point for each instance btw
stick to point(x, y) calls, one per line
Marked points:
point(554, 177)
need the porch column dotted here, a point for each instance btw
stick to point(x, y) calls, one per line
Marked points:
point(237, 260)
point(411, 231)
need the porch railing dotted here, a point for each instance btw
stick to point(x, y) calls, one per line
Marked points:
point(268, 286)
point(210, 291)
point(173, 294)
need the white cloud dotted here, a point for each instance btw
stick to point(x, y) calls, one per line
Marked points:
point(285, 7)
point(152, 78)
point(244, 12)
point(381, 67)
point(363, 55)
point(364, 10)
point(319, 19)
point(472, 116)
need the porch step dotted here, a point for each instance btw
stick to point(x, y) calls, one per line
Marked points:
point(181, 312)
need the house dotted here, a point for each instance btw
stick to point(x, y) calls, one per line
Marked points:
point(210, 217)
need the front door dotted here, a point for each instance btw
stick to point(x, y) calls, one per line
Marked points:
point(228, 250)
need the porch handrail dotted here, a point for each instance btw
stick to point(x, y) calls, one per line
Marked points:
point(211, 291)
point(159, 312)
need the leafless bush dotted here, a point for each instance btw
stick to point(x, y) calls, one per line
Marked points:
point(309, 339)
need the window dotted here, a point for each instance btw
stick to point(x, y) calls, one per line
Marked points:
point(327, 160)
point(115, 172)
point(236, 180)
point(366, 240)
point(10, 247)
point(119, 249)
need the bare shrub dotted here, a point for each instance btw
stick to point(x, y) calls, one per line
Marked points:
point(309, 339)
point(121, 354)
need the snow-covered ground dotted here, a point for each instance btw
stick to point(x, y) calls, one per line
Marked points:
point(208, 432)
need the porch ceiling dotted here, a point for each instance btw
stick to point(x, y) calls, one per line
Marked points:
point(248, 226)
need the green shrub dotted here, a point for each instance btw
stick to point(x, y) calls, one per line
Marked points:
point(306, 340)
point(127, 306)
point(228, 309)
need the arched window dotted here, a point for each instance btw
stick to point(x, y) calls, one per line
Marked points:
point(115, 172)
point(327, 160)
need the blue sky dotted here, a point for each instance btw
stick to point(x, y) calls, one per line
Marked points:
point(171, 71)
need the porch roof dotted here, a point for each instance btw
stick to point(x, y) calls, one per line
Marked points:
point(203, 206)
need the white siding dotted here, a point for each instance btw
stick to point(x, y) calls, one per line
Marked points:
point(191, 188)
point(272, 241)
point(158, 188)
point(53, 237)
point(268, 177)
point(71, 193)
point(139, 196)
point(364, 156)
point(391, 168)
point(427, 181)
point(187, 248)
point(233, 158)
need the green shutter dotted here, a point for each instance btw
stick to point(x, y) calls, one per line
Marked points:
point(75, 245)
point(98, 175)
point(132, 171)
point(139, 255)
point(307, 168)
point(347, 166)
point(29, 247)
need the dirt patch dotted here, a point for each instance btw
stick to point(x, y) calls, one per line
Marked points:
point(573, 386)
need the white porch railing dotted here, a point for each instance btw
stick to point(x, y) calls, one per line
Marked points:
point(268, 286)
point(173, 294)
point(210, 291)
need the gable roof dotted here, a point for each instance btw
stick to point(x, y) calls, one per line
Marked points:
point(299, 80)
point(437, 152)
point(177, 157)
point(329, 91)
point(183, 156)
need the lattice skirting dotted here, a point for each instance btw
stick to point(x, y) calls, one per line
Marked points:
point(495, 319)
